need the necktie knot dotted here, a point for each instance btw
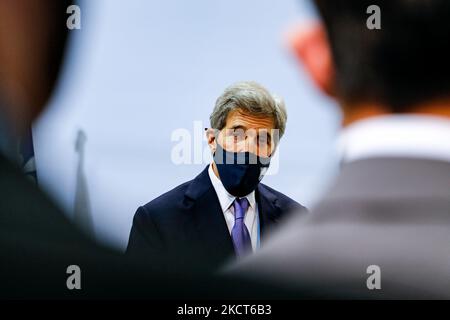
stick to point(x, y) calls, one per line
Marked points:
point(240, 207)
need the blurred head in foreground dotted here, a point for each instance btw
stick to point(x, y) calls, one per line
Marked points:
point(32, 41)
point(382, 229)
point(402, 67)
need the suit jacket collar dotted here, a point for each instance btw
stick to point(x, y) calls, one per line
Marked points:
point(199, 185)
point(269, 211)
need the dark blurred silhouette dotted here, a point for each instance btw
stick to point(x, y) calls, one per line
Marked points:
point(383, 228)
point(37, 242)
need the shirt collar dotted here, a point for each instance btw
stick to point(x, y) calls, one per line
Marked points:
point(412, 136)
point(225, 198)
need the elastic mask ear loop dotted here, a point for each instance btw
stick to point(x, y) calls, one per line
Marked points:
point(216, 139)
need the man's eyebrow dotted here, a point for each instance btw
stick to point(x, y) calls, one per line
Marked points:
point(238, 126)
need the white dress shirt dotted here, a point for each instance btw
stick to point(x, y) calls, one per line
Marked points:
point(412, 136)
point(226, 200)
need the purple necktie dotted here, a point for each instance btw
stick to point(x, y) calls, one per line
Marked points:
point(239, 233)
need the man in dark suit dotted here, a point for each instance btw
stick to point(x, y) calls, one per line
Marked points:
point(383, 229)
point(225, 211)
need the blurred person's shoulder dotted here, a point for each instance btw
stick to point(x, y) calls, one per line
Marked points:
point(38, 242)
point(24, 207)
point(386, 214)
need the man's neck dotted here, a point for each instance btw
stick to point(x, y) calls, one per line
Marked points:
point(354, 113)
point(214, 167)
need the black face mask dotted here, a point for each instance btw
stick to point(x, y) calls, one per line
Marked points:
point(240, 172)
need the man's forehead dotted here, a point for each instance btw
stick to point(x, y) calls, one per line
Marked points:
point(245, 119)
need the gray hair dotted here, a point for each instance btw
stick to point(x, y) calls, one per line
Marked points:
point(253, 98)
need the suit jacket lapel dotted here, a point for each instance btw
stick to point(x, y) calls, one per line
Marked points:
point(268, 210)
point(210, 222)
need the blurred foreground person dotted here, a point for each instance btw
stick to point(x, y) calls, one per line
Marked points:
point(41, 252)
point(383, 229)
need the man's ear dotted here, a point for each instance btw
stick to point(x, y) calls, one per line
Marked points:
point(311, 47)
point(211, 138)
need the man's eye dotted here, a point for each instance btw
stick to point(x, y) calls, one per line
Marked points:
point(238, 133)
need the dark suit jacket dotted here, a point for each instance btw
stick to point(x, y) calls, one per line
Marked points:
point(188, 223)
point(390, 212)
